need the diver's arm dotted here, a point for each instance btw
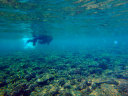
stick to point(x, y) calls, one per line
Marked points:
point(32, 40)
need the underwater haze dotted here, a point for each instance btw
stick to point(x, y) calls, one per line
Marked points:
point(63, 48)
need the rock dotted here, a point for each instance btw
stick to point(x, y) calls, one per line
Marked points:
point(94, 86)
point(105, 90)
point(110, 82)
point(41, 71)
point(121, 76)
point(67, 86)
point(54, 92)
point(20, 90)
point(44, 79)
point(79, 79)
point(123, 89)
point(36, 68)
point(82, 86)
point(88, 83)
point(103, 66)
point(68, 94)
point(96, 71)
point(73, 82)
point(30, 76)
point(87, 91)
point(23, 89)
point(3, 83)
point(2, 67)
point(61, 82)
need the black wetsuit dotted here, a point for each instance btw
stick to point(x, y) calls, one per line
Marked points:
point(43, 39)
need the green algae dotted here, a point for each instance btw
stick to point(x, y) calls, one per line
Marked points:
point(57, 74)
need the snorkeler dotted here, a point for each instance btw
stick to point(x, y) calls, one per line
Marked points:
point(43, 39)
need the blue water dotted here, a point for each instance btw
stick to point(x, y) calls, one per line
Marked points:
point(87, 55)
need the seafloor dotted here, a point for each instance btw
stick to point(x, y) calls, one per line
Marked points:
point(68, 73)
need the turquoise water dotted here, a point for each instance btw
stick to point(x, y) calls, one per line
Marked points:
point(83, 51)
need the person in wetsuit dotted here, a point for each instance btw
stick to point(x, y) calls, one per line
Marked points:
point(43, 39)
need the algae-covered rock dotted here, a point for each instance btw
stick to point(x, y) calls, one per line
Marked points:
point(28, 77)
point(43, 79)
point(123, 89)
point(2, 83)
point(20, 90)
point(81, 86)
point(61, 82)
point(2, 67)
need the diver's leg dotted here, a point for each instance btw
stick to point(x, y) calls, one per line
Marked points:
point(28, 41)
point(34, 42)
